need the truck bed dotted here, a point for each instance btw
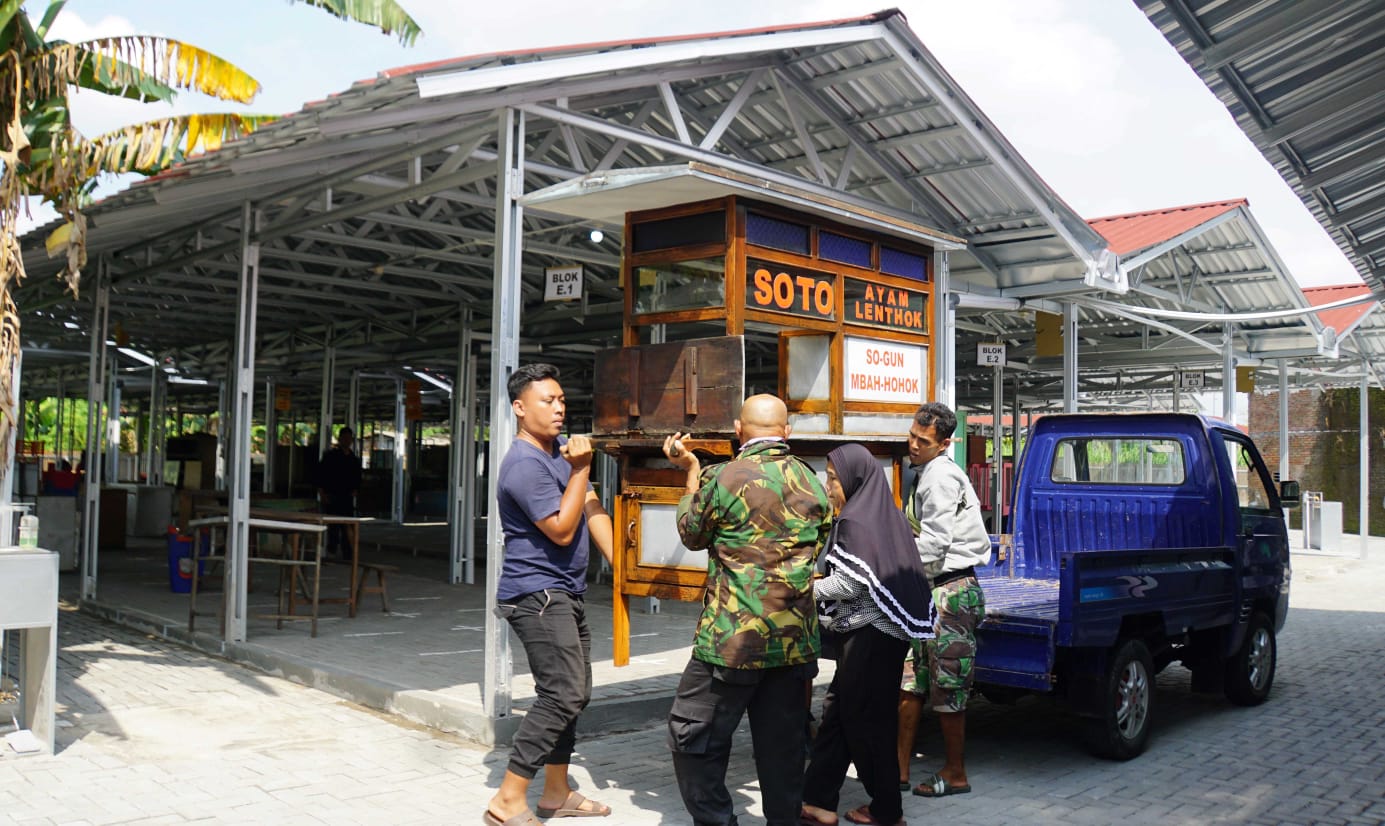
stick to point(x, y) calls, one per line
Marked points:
point(1016, 638)
point(1032, 599)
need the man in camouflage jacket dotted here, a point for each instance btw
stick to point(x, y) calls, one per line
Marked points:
point(763, 517)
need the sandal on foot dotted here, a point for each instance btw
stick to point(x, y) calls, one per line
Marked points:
point(936, 786)
point(524, 818)
point(572, 807)
point(807, 818)
point(863, 816)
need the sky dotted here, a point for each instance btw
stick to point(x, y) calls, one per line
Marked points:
point(1088, 91)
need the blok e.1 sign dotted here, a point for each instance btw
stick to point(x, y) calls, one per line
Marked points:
point(562, 283)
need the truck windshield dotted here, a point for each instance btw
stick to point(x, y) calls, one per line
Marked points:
point(1119, 461)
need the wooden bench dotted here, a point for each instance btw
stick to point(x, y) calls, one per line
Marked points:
point(380, 570)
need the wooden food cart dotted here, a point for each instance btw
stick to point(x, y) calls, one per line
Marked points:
point(752, 290)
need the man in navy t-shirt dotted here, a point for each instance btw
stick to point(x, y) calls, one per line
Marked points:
point(547, 511)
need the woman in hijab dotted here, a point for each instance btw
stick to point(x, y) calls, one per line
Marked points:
point(875, 597)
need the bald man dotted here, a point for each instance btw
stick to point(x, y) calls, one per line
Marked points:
point(762, 517)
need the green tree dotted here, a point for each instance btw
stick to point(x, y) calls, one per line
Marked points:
point(42, 154)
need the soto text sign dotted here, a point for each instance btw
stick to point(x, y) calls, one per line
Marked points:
point(883, 371)
point(782, 288)
point(562, 283)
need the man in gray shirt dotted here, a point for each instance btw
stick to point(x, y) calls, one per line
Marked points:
point(951, 537)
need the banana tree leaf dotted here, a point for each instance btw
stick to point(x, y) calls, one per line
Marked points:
point(386, 15)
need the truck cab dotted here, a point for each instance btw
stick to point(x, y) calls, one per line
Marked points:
point(1139, 540)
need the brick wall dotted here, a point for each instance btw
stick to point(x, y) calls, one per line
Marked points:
point(1324, 446)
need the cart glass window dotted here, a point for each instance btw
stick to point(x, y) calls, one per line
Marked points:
point(685, 285)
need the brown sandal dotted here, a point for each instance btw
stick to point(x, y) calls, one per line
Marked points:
point(524, 818)
point(572, 807)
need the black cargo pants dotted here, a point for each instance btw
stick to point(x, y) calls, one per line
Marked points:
point(708, 708)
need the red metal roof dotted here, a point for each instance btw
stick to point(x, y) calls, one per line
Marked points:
point(1136, 231)
point(1342, 318)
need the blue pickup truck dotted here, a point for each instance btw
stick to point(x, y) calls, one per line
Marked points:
point(1138, 540)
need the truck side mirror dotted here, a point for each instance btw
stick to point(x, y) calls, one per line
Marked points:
point(1289, 495)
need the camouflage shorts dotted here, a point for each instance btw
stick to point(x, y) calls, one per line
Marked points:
point(942, 666)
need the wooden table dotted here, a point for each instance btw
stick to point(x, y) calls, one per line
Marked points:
point(352, 524)
point(293, 566)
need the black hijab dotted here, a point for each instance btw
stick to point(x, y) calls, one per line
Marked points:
point(871, 542)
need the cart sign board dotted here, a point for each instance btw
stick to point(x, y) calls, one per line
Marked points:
point(877, 305)
point(990, 355)
point(562, 283)
point(883, 371)
point(283, 399)
point(1190, 380)
point(781, 288)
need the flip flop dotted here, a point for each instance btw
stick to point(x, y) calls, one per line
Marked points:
point(572, 807)
point(936, 786)
point(524, 818)
point(807, 819)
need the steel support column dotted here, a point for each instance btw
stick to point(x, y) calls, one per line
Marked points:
point(353, 404)
point(112, 463)
point(96, 384)
point(461, 475)
point(223, 401)
point(505, 316)
point(329, 384)
point(1364, 507)
point(401, 450)
point(1284, 470)
point(476, 415)
point(7, 520)
point(997, 447)
point(158, 425)
point(271, 436)
point(1228, 376)
point(238, 452)
point(1177, 389)
point(944, 340)
point(1070, 368)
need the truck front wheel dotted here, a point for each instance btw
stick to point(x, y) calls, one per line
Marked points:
point(1121, 726)
point(1250, 671)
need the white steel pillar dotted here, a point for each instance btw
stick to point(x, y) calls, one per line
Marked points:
point(997, 446)
point(505, 316)
point(13, 465)
point(353, 404)
point(1284, 470)
point(223, 400)
point(112, 464)
point(271, 435)
point(401, 450)
point(944, 340)
point(238, 442)
point(474, 416)
point(1365, 469)
point(329, 386)
point(1069, 358)
point(1228, 376)
point(158, 425)
point(96, 384)
point(462, 475)
point(60, 419)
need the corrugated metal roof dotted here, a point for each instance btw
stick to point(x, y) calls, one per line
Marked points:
point(1136, 231)
point(1341, 319)
point(1305, 80)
